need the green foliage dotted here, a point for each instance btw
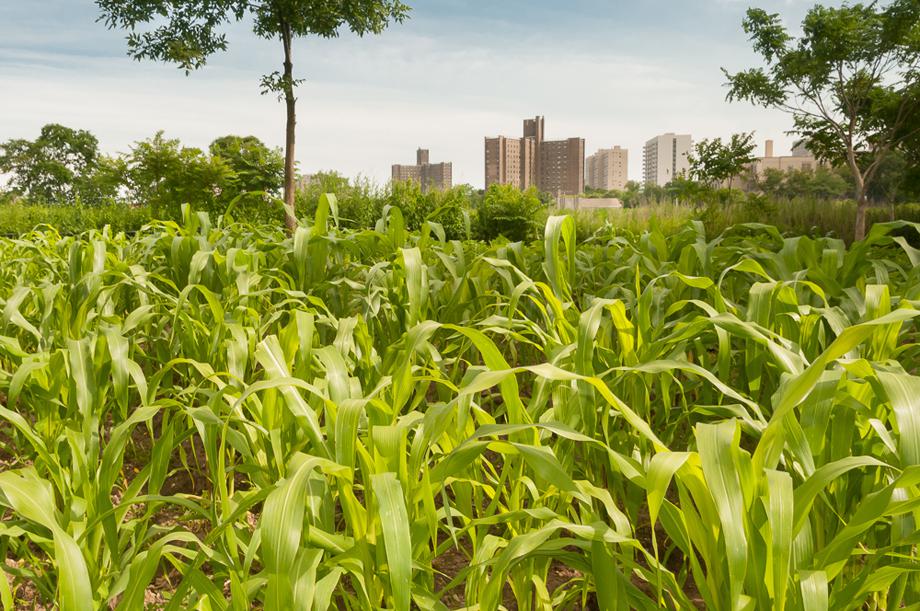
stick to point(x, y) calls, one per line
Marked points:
point(256, 168)
point(22, 218)
point(208, 416)
point(821, 183)
point(446, 208)
point(361, 204)
point(187, 32)
point(56, 167)
point(167, 175)
point(714, 162)
point(850, 81)
point(254, 189)
point(509, 212)
point(452, 210)
point(240, 176)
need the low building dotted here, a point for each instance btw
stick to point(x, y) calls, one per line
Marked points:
point(436, 176)
point(800, 159)
point(607, 169)
point(578, 202)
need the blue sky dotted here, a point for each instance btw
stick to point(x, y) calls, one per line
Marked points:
point(613, 72)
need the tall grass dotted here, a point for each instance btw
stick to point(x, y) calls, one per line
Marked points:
point(800, 216)
point(22, 218)
point(208, 416)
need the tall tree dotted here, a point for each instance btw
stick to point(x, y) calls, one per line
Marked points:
point(851, 82)
point(50, 168)
point(187, 32)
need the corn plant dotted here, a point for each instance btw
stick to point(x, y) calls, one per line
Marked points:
point(213, 415)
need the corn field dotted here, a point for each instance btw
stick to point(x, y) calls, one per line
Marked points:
point(203, 416)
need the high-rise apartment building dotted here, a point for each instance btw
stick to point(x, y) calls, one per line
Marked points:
point(510, 161)
point(554, 166)
point(607, 169)
point(561, 166)
point(666, 158)
point(430, 176)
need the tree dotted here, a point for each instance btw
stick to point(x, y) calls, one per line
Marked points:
point(712, 162)
point(164, 174)
point(106, 184)
point(187, 32)
point(851, 82)
point(827, 184)
point(819, 183)
point(257, 176)
point(631, 194)
point(50, 168)
point(256, 167)
point(685, 190)
point(772, 182)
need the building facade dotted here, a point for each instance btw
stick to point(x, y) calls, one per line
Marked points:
point(665, 158)
point(800, 159)
point(561, 166)
point(578, 202)
point(510, 161)
point(553, 166)
point(607, 169)
point(431, 176)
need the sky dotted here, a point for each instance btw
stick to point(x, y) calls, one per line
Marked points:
point(612, 72)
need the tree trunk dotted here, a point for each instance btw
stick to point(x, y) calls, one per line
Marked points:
point(862, 204)
point(290, 216)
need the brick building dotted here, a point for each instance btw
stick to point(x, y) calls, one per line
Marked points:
point(438, 176)
point(553, 166)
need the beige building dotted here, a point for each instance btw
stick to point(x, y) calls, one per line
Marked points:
point(665, 158)
point(577, 202)
point(553, 166)
point(607, 169)
point(800, 159)
point(437, 176)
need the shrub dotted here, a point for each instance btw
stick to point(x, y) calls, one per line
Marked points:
point(509, 212)
point(20, 218)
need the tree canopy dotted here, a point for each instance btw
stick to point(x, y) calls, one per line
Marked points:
point(851, 82)
point(257, 167)
point(713, 162)
point(187, 32)
point(50, 168)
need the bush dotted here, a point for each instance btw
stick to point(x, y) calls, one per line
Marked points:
point(20, 218)
point(509, 212)
point(359, 202)
point(451, 210)
point(799, 216)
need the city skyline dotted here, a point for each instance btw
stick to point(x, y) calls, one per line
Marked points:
point(367, 101)
point(553, 166)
